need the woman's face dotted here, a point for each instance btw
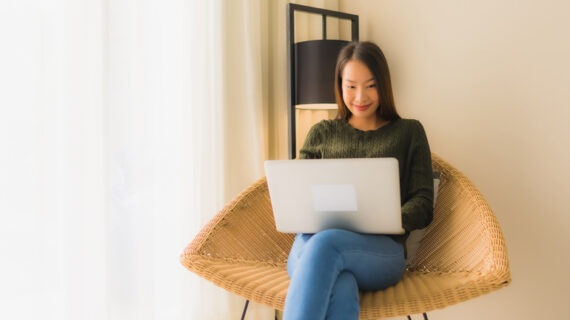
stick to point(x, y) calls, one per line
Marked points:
point(359, 91)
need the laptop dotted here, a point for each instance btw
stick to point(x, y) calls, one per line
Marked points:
point(360, 195)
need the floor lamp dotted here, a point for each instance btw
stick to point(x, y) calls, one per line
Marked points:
point(311, 67)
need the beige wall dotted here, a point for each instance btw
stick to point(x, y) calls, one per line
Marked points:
point(490, 81)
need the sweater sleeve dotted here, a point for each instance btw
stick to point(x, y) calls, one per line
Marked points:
point(313, 143)
point(417, 210)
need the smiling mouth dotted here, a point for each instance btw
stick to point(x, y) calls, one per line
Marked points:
point(361, 107)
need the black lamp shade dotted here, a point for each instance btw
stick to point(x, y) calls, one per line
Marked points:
point(315, 65)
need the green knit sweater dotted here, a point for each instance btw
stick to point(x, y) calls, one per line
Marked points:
point(403, 139)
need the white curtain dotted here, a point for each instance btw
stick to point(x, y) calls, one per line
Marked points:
point(125, 126)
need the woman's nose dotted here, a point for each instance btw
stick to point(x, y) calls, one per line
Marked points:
point(360, 95)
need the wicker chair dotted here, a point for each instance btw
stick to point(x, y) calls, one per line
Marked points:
point(461, 256)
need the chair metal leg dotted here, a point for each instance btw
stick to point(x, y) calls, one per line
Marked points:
point(409, 318)
point(244, 309)
point(424, 314)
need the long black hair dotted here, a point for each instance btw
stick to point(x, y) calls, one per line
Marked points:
point(371, 55)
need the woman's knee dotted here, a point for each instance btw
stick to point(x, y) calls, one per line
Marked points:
point(328, 240)
point(322, 248)
point(296, 251)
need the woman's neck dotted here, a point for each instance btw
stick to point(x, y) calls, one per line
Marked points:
point(367, 124)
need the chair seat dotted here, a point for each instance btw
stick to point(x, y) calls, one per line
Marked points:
point(462, 256)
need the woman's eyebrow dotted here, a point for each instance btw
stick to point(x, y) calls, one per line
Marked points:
point(371, 79)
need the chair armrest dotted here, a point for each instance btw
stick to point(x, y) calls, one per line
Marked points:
point(244, 230)
point(465, 235)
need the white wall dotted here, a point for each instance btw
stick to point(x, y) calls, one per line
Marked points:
point(490, 81)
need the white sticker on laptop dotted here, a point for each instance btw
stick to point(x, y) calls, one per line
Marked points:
point(334, 197)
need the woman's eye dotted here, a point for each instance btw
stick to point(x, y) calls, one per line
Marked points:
point(372, 85)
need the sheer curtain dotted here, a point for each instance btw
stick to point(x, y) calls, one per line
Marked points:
point(125, 125)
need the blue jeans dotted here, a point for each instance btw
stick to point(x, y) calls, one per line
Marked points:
point(328, 268)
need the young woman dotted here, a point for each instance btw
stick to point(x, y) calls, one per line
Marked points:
point(328, 268)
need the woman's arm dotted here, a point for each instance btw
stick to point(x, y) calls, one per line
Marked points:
point(417, 210)
point(313, 144)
